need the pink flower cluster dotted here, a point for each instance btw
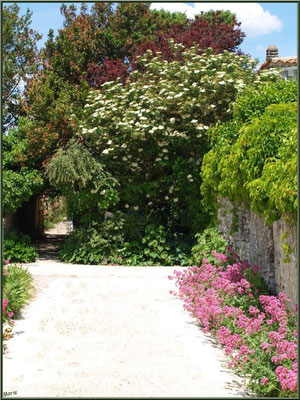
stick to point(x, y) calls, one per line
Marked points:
point(4, 305)
point(9, 314)
point(251, 327)
point(287, 378)
point(6, 314)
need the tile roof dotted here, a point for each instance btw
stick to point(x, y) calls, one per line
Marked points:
point(280, 62)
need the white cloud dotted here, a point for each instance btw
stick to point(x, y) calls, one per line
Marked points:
point(261, 48)
point(255, 20)
point(181, 7)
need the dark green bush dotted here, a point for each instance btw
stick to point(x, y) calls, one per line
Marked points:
point(95, 244)
point(17, 247)
point(117, 240)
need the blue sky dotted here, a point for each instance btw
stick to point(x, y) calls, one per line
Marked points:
point(263, 23)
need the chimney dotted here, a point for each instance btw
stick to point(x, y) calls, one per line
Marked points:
point(272, 52)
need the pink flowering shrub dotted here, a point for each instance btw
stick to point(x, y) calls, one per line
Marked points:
point(16, 290)
point(6, 313)
point(257, 330)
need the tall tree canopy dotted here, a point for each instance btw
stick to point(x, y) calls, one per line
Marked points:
point(101, 45)
point(151, 134)
point(19, 58)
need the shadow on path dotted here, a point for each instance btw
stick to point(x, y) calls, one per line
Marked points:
point(48, 246)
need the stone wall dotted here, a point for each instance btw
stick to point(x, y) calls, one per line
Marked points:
point(240, 236)
point(261, 244)
point(286, 272)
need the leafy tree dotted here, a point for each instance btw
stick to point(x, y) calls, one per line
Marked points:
point(59, 89)
point(51, 100)
point(217, 17)
point(151, 134)
point(88, 188)
point(100, 46)
point(19, 57)
point(217, 30)
point(20, 178)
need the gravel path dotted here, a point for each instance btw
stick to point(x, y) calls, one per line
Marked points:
point(108, 331)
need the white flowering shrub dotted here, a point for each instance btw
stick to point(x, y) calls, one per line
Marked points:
point(151, 134)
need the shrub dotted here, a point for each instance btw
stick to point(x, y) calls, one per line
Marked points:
point(151, 134)
point(94, 244)
point(81, 178)
point(118, 240)
point(207, 241)
point(252, 103)
point(156, 247)
point(258, 330)
point(17, 290)
point(17, 247)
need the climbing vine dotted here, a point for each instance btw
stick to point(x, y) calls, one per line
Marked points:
point(253, 160)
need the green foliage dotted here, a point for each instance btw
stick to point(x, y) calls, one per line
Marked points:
point(17, 288)
point(19, 54)
point(169, 18)
point(277, 185)
point(255, 163)
point(56, 211)
point(156, 248)
point(17, 247)
point(151, 135)
point(97, 244)
point(213, 17)
point(286, 248)
point(15, 147)
point(19, 187)
point(20, 179)
point(50, 101)
point(88, 188)
point(253, 101)
point(118, 240)
point(207, 241)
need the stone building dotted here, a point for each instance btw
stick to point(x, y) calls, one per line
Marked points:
point(288, 65)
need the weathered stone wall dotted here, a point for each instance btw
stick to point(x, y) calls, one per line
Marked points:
point(286, 279)
point(262, 249)
point(260, 244)
point(251, 238)
point(240, 236)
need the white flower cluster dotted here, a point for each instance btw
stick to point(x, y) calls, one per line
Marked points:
point(169, 105)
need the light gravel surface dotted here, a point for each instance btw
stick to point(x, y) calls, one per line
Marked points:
point(107, 331)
